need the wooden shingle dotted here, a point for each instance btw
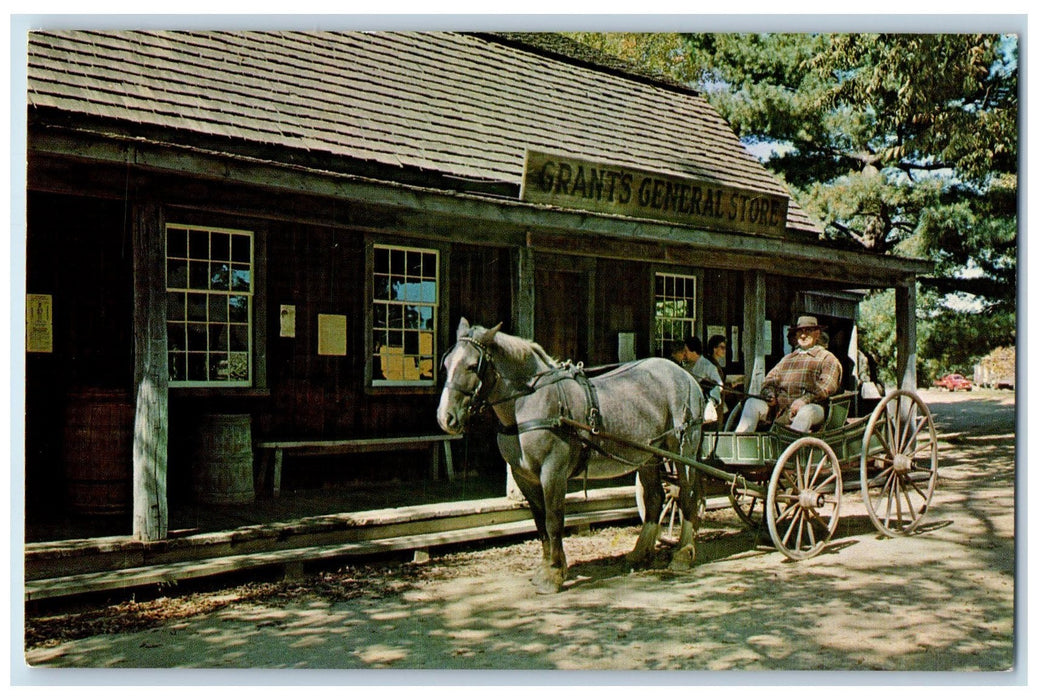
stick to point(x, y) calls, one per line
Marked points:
point(461, 105)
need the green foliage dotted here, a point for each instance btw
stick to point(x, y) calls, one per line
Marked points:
point(896, 143)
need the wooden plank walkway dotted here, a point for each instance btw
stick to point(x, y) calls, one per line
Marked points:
point(76, 567)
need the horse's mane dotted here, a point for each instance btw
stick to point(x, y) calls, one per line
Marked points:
point(517, 350)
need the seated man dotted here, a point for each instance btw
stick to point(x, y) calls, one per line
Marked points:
point(689, 354)
point(798, 386)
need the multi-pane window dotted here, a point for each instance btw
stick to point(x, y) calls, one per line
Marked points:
point(404, 310)
point(675, 309)
point(209, 287)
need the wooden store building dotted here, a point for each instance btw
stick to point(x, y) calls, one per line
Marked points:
point(271, 236)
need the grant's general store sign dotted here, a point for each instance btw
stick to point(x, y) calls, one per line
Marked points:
point(579, 184)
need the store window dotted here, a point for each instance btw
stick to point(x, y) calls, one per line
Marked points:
point(405, 305)
point(675, 313)
point(209, 298)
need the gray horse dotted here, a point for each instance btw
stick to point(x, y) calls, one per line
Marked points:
point(651, 401)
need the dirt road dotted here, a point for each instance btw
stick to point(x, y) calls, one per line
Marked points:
point(941, 600)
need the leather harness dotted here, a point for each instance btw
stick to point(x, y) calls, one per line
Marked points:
point(564, 420)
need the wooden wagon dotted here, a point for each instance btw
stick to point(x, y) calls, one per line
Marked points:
point(794, 482)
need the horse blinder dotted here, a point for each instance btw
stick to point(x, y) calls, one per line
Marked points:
point(484, 362)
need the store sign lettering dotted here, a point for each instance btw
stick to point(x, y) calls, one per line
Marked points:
point(576, 184)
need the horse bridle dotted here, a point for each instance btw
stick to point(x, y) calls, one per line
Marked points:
point(483, 364)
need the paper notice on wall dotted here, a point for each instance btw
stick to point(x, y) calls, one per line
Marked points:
point(331, 334)
point(626, 350)
point(733, 343)
point(288, 321)
point(39, 323)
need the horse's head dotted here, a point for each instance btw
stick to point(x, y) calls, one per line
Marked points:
point(470, 376)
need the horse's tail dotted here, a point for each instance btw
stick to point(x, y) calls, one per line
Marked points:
point(692, 421)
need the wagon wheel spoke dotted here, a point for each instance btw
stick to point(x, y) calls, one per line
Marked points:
point(914, 437)
point(900, 448)
point(791, 508)
point(892, 499)
point(915, 487)
point(922, 448)
point(817, 518)
point(825, 484)
point(812, 482)
point(672, 514)
point(881, 435)
point(810, 530)
point(903, 418)
point(800, 529)
point(796, 522)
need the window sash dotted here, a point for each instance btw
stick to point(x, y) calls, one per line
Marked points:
point(404, 315)
point(210, 280)
point(674, 316)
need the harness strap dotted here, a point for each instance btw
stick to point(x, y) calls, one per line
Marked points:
point(591, 393)
point(537, 424)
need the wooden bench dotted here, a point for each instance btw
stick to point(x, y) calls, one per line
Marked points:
point(271, 453)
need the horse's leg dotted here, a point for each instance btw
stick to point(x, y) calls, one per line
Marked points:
point(652, 492)
point(555, 470)
point(690, 496)
point(529, 483)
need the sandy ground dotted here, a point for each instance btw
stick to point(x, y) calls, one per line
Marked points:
point(941, 600)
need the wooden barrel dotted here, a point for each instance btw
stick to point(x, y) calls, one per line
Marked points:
point(98, 452)
point(222, 459)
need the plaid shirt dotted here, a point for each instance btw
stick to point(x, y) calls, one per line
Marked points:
point(813, 376)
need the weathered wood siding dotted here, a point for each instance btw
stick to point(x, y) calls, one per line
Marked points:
point(78, 251)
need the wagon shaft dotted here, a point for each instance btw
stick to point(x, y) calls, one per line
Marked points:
point(736, 479)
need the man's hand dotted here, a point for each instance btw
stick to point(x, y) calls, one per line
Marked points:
point(769, 395)
point(796, 406)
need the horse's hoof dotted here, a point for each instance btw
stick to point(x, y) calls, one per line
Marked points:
point(548, 588)
point(682, 559)
point(638, 561)
point(547, 585)
point(549, 581)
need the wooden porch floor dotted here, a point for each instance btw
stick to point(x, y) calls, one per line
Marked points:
point(189, 517)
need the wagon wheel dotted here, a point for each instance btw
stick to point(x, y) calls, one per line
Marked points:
point(748, 505)
point(671, 516)
point(899, 463)
point(804, 493)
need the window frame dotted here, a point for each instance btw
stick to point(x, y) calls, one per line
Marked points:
point(253, 360)
point(659, 339)
point(373, 375)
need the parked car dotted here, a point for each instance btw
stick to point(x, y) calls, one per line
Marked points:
point(954, 382)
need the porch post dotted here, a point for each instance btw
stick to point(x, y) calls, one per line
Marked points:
point(905, 302)
point(151, 376)
point(524, 312)
point(524, 297)
point(754, 345)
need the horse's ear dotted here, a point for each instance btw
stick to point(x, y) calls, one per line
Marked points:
point(463, 328)
point(488, 337)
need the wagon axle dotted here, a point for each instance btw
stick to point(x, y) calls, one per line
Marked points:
point(812, 499)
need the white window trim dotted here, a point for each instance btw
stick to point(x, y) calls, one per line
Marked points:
point(691, 321)
point(435, 306)
point(250, 294)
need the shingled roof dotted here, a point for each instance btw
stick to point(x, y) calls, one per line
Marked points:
point(459, 105)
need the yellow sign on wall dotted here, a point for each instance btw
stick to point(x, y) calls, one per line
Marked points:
point(39, 323)
point(331, 334)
